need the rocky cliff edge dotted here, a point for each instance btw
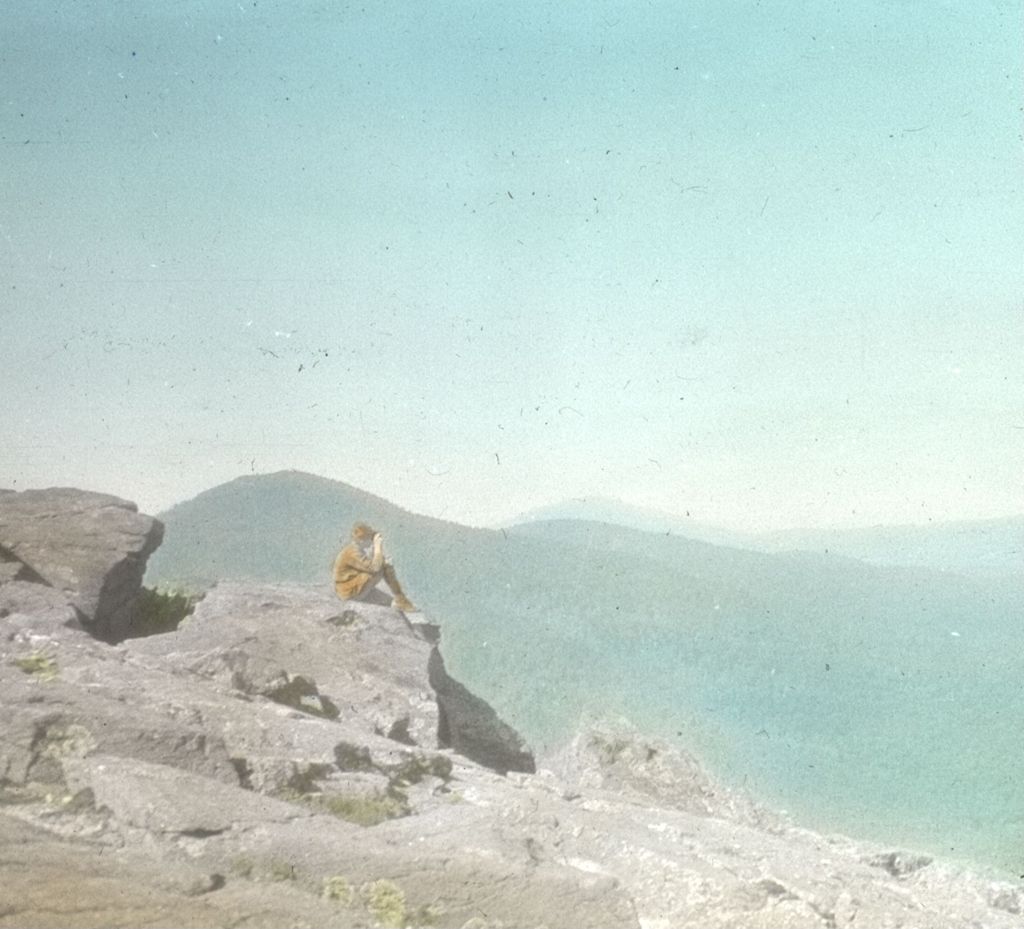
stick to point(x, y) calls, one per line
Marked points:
point(284, 759)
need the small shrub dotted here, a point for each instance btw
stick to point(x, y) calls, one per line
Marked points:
point(361, 809)
point(364, 810)
point(386, 902)
point(40, 665)
point(158, 611)
point(339, 890)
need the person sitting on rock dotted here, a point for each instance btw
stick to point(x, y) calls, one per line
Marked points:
point(361, 566)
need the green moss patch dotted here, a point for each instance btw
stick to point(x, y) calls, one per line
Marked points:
point(363, 809)
point(41, 666)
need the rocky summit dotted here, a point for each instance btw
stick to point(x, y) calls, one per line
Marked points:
point(281, 758)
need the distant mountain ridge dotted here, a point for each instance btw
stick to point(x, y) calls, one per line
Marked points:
point(976, 547)
point(756, 659)
point(645, 519)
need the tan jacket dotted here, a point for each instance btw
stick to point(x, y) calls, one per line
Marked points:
point(354, 572)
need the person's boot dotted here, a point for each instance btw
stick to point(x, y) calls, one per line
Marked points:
point(401, 601)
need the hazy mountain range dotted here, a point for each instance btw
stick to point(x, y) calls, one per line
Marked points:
point(975, 547)
point(279, 526)
point(860, 695)
point(604, 594)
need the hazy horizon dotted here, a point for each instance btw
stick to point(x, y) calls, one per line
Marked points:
point(554, 502)
point(752, 263)
point(532, 514)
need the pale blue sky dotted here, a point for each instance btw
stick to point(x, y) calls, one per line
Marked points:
point(756, 261)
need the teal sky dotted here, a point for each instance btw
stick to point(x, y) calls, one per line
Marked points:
point(760, 262)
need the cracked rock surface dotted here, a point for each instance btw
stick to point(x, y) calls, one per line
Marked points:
point(284, 759)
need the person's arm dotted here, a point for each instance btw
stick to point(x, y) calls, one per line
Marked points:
point(351, 557)
point(378, 553)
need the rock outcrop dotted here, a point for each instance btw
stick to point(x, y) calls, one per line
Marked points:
point(283, 759)
point(471, 727)
point(90, 547)
point(611, 757)
point(196, 749)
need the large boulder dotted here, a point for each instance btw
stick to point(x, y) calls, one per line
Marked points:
point(91, 547)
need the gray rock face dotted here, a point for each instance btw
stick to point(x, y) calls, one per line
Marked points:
point(471, 727)
point(611, 757)
point(91, 547)
point(197, 750)
point(283, 759)
point(71, 696)
point(204, 762)
point(50, 881)
point(36, 604)
point(304, 648)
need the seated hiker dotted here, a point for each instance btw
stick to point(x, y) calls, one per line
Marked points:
point(361, 566)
